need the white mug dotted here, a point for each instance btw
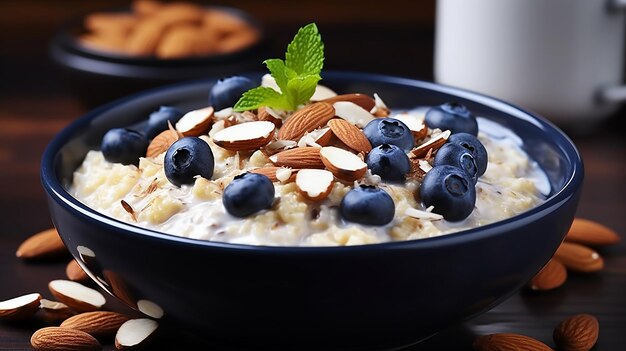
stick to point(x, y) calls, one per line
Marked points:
point(560, 58)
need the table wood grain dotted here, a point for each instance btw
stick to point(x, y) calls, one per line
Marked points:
point(35, 105)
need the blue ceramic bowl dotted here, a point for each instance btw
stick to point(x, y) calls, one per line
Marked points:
point(362, 297)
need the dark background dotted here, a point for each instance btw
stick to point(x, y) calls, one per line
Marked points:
point(392, 37)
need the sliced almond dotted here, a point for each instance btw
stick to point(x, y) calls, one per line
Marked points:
point(415, 123)
point(75, 272)
point(20, 308)
point(196, 122)
point(587, 232)
point(63, 339)
point(163, 141)
point(278, 146)
point(135, 333)
point(433, 144)
point(99, 324)
point(314, 184)
point(363, 100)
point(273, 173)
point(579, 258)
point(245, 136)
point(322, 136)
point(380, 108)
point(344, 164)
point(54, 312)
point(551, 276)
point(322, 92)
point(305, 120)
point(353, 113)
point(350, 135)
point(301, 157)
point(150, 308)
point(267, 114)
point(76, 295)
point(43, 245)
point(419, 214)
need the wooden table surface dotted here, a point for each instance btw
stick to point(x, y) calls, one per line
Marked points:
point(34, 105)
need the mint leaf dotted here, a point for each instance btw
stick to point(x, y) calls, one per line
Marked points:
point(277, 70)
point(305, 54)
point(261, 96)
point(296, 77)
point(302, 88)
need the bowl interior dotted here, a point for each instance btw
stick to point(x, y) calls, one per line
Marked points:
point(548, 146)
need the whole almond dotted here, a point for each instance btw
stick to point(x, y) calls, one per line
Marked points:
point(63, 339)
point(551, 276)
point(363, 100)
point(162, 142)
point(579, 258)
point(587, 232)
point(305, 120)
point(146, 7)
point(508, 342)
point(144, 38)
point(237, 41)
point(577, 333)
point(75, 272)
point(270, 172)
point(45, 244)
point(350, 135)
point(177, 42)
point(301, 157)
point(99, 324)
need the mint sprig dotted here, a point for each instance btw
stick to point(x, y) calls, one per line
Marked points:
point(296, 76)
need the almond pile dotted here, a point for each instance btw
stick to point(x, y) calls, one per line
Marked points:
point(168, 31)
point(575, 254)
point(77, 319)
point(576, 333)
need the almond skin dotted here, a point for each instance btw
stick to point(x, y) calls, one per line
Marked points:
point(587, 232)
point(305, 120)
point(508, 342)
point(551, 276)
point(301, 157)
point(363, 100)
point(577, 333)
point(350, 135)
point(433, 144)
point(162, 142)
point(99, 324)
point(20, 308)
point(63, 339)
point(43, 245)
point(75, 272)
point(270, 172)
point(579, 258)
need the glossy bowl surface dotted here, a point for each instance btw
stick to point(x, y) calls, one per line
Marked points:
point(96, 77)
point(361, 297)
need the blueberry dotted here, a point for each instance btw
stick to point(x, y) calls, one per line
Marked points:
point(227, 91)
point(125, 146)
point(367, 205)
point(248, 193)
point(157, 122)
point(389, 131)
point(474, 146)
point(457, 156)
point(450, 191)
point(389, 162)
point(187, 158)
point(453, 116)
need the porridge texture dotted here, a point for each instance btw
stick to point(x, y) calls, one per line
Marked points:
point(142, 195)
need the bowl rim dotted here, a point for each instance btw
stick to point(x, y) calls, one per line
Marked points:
point(55, 189)
point(64, 40)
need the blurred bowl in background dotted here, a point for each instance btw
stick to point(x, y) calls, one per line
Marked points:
point(97, 74)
